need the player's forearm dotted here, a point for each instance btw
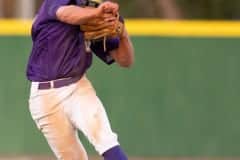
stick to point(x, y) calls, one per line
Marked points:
point(124, 55)
point(75, 15)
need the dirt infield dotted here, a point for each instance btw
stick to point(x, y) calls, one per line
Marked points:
point(99, 158)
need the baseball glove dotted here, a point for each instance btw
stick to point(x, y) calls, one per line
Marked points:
point(97, 29)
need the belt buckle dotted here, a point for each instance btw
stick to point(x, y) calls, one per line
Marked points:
point(51, 84)
point(46, 85)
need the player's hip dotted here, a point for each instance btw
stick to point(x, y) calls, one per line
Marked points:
point(44, 102)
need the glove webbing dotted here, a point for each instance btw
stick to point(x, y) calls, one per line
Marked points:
point(88, 42)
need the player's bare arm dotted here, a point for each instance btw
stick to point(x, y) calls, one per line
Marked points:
point(76, 15)
point(124, 54)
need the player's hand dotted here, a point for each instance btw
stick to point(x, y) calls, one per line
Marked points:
point(106, 15)
point(107, 9)
point(110, 7)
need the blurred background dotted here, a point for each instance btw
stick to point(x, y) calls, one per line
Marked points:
point(180, 101)
point(171, 9)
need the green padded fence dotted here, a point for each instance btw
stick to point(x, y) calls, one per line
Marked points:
point(181, 98)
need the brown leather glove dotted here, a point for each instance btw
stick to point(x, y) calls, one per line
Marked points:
point(100, 28)
point(97, 28)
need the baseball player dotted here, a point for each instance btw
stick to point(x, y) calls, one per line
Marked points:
point(66, 34)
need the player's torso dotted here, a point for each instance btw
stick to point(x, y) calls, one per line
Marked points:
point(58, 48)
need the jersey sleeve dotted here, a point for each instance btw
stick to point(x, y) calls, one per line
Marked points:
point(98, 49)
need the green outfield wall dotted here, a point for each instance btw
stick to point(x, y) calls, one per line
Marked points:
point(181, 98)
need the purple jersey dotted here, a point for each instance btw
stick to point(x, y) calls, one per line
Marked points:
point(58, 48)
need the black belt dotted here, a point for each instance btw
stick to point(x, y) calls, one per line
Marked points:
point(57, 83)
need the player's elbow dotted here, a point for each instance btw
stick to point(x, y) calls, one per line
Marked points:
point(124, 58)
point(126, 62)
point(125, 65)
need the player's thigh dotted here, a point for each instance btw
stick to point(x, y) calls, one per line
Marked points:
point(57, 129)
point(88, 115)
point(62, 137)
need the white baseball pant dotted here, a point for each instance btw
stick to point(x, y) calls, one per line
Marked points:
point(60, 112)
